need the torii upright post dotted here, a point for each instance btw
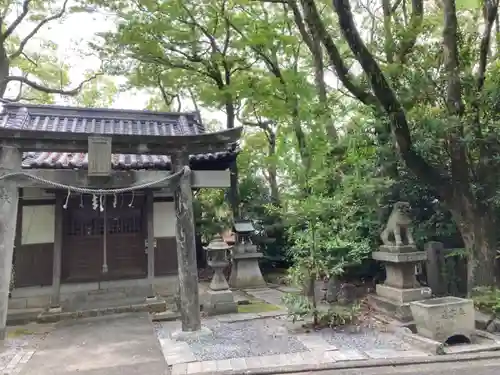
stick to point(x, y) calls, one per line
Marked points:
point(10, 161)
point(186, 247)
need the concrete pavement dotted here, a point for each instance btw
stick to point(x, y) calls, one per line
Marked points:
point(109, 345)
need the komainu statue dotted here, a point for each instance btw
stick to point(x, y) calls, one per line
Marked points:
point(398, 225)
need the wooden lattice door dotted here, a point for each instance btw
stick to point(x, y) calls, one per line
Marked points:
point(84, 241)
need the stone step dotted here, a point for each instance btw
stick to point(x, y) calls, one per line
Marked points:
point(104, 308)
point(22, 316)
point(116, 293)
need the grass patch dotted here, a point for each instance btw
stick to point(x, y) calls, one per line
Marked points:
point(257, 307)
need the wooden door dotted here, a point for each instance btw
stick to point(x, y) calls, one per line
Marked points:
point(83, 246)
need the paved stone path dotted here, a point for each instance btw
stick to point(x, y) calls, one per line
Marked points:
point(313, 357)
point(109, 345)
point(272, 296)
point(14, 360)
point(19, 347)
point(182, 360)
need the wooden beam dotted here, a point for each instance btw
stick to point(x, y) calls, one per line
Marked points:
point(51, 141)
point(10, 161)
point(119, 179)
point(57, 253)
point(151, 239)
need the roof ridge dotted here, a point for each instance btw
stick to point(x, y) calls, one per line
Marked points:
point(40, 109)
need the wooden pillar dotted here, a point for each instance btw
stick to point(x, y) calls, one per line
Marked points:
point(57, 253)
point(151, 240)
point(186, 248)
point(10, 161)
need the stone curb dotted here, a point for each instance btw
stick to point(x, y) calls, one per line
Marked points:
point(359, 364)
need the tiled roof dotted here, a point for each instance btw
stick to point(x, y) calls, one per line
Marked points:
point(105, 121)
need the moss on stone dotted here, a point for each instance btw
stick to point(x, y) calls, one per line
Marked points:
point(257, 307)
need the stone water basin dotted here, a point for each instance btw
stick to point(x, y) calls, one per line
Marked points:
point(443, 318)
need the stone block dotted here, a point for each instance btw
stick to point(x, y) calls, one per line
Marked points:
point(390, 353)
point(347, 355)
point(441, 318)
point(18, 303)
point(403, 295)
point(165, 316)
point(398, 249)
point(394, 309)
point(194, 367)
point(245, 271)
point(219, 302)
point(38, 301)
point(182, 336)
point(416, 256)
point(223, 365)
point(400, 275)
point(238, 364)
point(315, 343)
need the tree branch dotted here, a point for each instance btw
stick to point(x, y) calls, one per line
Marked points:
point(389, 101)
point(8, 32)
point(48, 90)
point(490, 10)
point(33, 32)
point(411, 34)
point(334, 55)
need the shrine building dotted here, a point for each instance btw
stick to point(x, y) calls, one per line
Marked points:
point(73, 236)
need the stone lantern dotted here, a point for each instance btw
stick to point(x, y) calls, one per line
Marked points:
point(219, 298)
point(245, 270)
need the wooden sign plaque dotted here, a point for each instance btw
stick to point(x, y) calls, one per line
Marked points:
point(99, 156)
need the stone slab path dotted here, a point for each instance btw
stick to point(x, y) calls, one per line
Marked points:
point(110, 345)
point(183, 360)
point(272, 296)
point(313, 357)
point(20, 345)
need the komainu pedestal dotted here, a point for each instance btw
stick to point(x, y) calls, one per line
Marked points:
point(400, 257)
point(400, 287)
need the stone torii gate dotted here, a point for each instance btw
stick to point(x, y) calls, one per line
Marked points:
point(14, 142)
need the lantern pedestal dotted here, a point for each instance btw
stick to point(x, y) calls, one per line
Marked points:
point(218, 298)
point(219, 302)
point(245, 271)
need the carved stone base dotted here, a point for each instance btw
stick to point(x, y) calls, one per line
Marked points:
point(245, 271)
point(396, 310)
point(219, 302)
point(398, 248)
point(403, 295)
point(189, 335)
point(413, 257)
point(54, 309)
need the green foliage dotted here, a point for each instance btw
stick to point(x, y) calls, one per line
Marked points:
point(487, 300)
point(30, 69)
point(212, 215)
point(317, 197)
point(300, 307)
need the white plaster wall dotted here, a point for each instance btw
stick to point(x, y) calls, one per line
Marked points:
point(38, 224)
point(164, 219)
point(211, 179)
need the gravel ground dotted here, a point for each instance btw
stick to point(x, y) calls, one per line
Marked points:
point(245, 339)
point(366, 339)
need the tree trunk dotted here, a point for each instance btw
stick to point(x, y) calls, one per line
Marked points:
point(233, 169)
point(272, 170)
point(478, 231)
point(4, 70)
